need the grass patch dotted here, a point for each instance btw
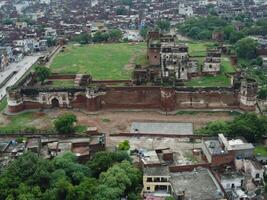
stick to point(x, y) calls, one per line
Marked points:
point(106, 120)
point(62, 83)
point(142, 60)
point(102, 61)
point(80, 129)
point(18, 122)
point(199, 48)
point(226, 65)
point(3, 104)
point(210, 81)
point(260, 150)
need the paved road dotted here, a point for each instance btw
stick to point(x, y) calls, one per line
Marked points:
point(21, 68)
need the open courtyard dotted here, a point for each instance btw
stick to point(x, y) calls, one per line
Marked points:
point(102, 61)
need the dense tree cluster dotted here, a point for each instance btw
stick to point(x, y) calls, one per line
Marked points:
point(246, 48)
point(108, 176)
point(113, 35)
point(248, 125)
point(201, 28)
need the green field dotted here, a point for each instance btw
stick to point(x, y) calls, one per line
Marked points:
point(17, 122)
point(62, 83)
point(226, 65)
point(198, 48)
point(221, 80)
point(102, 61)
point(260, 150)
point(210, 81)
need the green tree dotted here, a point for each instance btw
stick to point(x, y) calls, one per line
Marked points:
point(115, 35)
point(235, 36)
point(65, 123)
point(213, 128)
point(263, 92)
point(246, 48)
point(124, 145)
point(42, 73)
point(144, 31)
point(83, 38)
point(103, 160)
point(163, 25)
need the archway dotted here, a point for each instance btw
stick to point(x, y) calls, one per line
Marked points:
point(55, 103)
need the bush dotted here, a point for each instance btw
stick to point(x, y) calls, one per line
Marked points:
point(124, 145)
point(65, 123)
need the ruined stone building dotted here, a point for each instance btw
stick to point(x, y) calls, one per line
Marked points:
point(212, 63)
point(175, 62)
point(171, 58)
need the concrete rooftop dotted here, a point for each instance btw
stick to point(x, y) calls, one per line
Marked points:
point(162, 128)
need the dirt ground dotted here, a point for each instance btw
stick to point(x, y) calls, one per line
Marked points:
point(115, 122)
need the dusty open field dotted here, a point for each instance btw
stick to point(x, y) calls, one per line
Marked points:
point(114, 122)
point(110, 121)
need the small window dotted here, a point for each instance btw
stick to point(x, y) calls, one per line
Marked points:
point(182, 69)
point(257, 176)
point(148, 188)
point(155, 56)
point(149, 179)
point(210, 66)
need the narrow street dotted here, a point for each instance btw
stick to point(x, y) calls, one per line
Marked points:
point(21, 68)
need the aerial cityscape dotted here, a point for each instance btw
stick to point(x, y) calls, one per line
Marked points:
point(133, 99)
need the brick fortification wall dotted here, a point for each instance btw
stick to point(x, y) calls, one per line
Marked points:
point(132, 98)
point(166, 99)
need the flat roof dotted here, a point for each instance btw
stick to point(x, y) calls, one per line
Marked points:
point(156, 171)
point(214, 147)
point(162, 128)
point(198, 184)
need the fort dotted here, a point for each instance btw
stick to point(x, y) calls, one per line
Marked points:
point(159, 86)
point(99, 95)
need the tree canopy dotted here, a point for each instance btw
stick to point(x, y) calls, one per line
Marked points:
point(248, 125)
point(246, 48)
point(65, 123)
point(33, 178)
point(42, 73)
point(163, 25)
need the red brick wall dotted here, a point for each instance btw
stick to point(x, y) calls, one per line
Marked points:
point(79, 102)
point(206, 100)
point(218, 160)
point(153, 56)
point(15, 109)
point(132, 97)
point(182, 168)
point(32, 105)
point(61, 76)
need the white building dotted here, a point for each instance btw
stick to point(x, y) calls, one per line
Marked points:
point(185, 10)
